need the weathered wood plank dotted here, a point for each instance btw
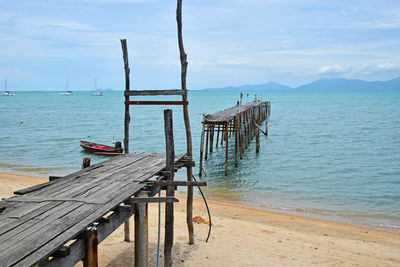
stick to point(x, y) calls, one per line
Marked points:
point(64, 230)
point(154, 92)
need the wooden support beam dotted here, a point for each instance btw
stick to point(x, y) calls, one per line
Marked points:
point(141, 231)
point(154, 92)
point(241, 134)
point(62, 252)
point(216, 143)
point(266, 128)
point(91, 258)
point(202, 145)
point(156, 102)
point(257, 132)
point(206, 150)
point(177, 183)
point(169, 207)
point(189, 173)
point(127, 118)
point(145, 199)
point(236, 142)
point(226, 148)
point(212, 137)
point(85, 163)
point(52, 178)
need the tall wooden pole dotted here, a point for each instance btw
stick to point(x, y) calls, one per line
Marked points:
point(184, 64)
point(169, 206)
point(127, 119)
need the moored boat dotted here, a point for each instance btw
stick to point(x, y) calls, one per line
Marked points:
point(6, 92)
point(101, 149)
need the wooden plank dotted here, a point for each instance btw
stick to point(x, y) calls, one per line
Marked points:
point(155, 92)
point(58, 236)
point(146, 102)
point(91, 183)
point(90, 216)
point(78, 180)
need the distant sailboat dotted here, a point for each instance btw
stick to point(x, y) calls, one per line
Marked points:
point(66, 92)
point(96, 92)
point(6, 92)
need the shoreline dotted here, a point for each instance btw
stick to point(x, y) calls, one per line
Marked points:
point(332, 216)
point(243, 235)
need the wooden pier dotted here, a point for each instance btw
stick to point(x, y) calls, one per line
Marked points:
point(242, 122)
point(86, 205)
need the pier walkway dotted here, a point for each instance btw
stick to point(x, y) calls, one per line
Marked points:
point(51, 223)
point(241, 121)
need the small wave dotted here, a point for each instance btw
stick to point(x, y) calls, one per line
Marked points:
point(391, 226)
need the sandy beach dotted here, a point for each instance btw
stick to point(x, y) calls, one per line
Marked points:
point(245, 236)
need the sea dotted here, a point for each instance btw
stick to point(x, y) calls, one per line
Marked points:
point(332, 154)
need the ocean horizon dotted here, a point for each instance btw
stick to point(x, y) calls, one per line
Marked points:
point(331, 154)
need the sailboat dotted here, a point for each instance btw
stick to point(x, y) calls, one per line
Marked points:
point(96, 92)
point(66, 92)
point(6, 92)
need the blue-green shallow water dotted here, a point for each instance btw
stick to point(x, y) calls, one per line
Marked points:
point(332, 154)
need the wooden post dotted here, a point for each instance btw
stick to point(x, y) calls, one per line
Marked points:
point(266, 127)
point(91, 258)
point(207, 130)
point(141, 233)
point(216, 143)
point(202, 145)
point(241, 135)
point(236, 141)
point(169, 206)
point(222, 134)
point(257, 131)
point(212, 137)
point(126, 120)
point(184, 64)
point(127, 85)
point(226, 147)
point(85, 163)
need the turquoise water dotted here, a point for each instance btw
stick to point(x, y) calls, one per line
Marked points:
point(331, 154)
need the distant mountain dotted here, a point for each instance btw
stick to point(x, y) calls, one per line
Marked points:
point(254, 87)
point(321, 84)
point(353, 84)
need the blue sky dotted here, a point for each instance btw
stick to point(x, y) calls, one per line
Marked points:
point(42, 43)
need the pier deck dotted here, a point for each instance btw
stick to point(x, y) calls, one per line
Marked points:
point(38, 223)
point(241, 120)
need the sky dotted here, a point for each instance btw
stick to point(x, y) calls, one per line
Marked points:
point(44, 43)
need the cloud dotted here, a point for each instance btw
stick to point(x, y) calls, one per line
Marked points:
point(383, 68)
point(332, 69)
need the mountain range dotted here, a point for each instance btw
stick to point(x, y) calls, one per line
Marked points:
point(321, 84)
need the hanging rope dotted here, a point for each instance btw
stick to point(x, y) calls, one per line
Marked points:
point(208, 210)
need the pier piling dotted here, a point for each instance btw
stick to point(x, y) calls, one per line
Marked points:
point(240, 122)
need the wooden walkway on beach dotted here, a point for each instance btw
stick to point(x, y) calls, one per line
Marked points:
point(43, 220)
point(241, 121)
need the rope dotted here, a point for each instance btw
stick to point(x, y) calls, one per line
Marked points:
point(208, 210)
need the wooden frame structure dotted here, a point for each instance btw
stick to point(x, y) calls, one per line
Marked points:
point(181, 92)
point(61, 222)
point(241, 121)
